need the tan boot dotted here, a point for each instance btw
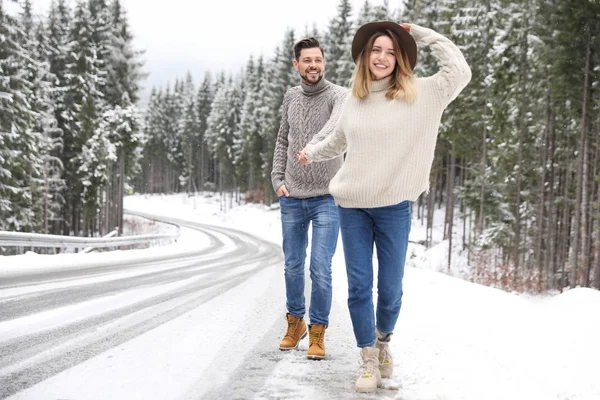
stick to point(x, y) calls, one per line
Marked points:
point(370, 377)
point(296, 331)
point(316, 350)
point(386, 362)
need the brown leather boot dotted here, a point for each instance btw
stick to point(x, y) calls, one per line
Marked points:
point(296, 331)
point(316, 350)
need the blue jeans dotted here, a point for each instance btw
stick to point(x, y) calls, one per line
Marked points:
point(296, 215)
point(387, 228)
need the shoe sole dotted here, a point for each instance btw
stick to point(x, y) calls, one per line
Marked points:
point(315, 357)
point(366, 390)
point(295, 347)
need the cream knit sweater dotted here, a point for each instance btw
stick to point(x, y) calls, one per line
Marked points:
point(390, 144)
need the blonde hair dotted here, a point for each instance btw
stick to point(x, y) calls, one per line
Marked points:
point(402, 85)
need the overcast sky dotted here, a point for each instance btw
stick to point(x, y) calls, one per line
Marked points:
point(196, 35)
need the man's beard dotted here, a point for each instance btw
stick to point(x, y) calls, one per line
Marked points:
point(305, 78)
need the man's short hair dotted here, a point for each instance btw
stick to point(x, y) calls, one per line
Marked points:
point(308, 43)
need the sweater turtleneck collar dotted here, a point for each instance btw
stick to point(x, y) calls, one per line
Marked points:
point(381, 85)
point(311, 90)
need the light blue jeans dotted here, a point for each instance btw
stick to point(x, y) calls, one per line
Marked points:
point(387, 228)
point(296, 215)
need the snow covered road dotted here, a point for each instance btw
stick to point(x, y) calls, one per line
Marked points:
point(208, 325)
point(53, 320)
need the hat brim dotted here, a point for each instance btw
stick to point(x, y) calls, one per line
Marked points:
point(405, 39)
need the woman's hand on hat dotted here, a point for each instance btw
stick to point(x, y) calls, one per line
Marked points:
point(406, 26)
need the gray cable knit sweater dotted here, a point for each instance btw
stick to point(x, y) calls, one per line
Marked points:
point(308, 112)
point(390, 144)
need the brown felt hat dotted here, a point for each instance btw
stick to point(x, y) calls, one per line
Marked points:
point(405, 39)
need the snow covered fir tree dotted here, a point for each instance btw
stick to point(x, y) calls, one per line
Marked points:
point(69, 127)
point(517, 166)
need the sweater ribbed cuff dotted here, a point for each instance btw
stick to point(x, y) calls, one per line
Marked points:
point(308, 155)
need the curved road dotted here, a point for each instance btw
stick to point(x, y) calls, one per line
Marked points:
point(51, 321)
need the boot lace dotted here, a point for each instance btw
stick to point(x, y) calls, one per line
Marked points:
point(384, 354)
point(316, 338)
point(368, 365)
point(291, 327)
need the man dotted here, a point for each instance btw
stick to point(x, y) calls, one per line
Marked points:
point(309, 112)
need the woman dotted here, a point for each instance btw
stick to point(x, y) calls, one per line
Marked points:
point(388, 130)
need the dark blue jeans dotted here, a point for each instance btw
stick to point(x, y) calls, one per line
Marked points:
point(296, 216)
point(387, 228)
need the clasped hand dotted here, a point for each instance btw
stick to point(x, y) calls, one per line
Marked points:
point(301, 156)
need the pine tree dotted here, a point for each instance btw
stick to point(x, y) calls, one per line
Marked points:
point(58, 28)
point(154, 148)
point(250, 143)
point(124, 72)
point(51, 142)
point(94, 160)
point(576, 36)
point(83, 106)
point(124, 63)
point(20, 157)
point(189, 131)
point(382, 12)
point(338, 55)
point(365, 14)
point(46, 189)
point(220, 133)
point(100, 21)
point(205, 97)
point(313, 32)
point(117, 134)
point(170, 115)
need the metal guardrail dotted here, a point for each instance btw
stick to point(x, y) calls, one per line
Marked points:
point(20, 239)
point(113, 233)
